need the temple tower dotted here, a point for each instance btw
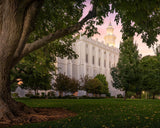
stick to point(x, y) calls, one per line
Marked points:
point(110, 37)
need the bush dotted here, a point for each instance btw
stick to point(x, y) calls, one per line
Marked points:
point(51, 93)
point(108, 95)
point(119, 96)
point(68, 97)
point(130, 94)
point(87, 97)
point(43, 95)
point(28, 95)
point(94, 86)
point(35, 96)
point(15, 95)
point(113, 97)
point(63, 83)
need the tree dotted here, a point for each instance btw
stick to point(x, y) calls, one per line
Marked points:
point(62, 83)
point(94, 86)
point(102, 78)
point(126, 75)
point(135, 19)
point(35, 80)
point(150, 69)
point(65, 84)
point(74, 85)
point(28, 25)
point(84, 81)
point(115, 78)
point(35, 72)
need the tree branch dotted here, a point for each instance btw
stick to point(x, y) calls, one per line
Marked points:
point(58, 34)
point(27, 27)
point(53, 36)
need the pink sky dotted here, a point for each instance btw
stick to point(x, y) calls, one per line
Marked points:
point(143, 48)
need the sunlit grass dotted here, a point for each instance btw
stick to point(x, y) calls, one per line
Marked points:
point(100, 113)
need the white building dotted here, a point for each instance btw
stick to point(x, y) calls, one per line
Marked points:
point(94, 57)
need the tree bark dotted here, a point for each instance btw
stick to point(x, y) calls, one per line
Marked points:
point(10, 33)
point(9, 108)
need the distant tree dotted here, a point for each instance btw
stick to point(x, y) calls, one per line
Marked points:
point(150, 68)
point(126, 75)
point(84, 81)
point(74, 85)
point(35, 71)
point(102, 78)
point(63, 83)
point(35, 80)
point(94, 86)
point(105, 90)
point(115, 78)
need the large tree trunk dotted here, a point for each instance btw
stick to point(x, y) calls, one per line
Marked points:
point(9, 108)
point(10, 34)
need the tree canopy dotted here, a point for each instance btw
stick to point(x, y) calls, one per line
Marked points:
point(102, 78)
point(94, 86)
point(150, 68)
point(65, 84)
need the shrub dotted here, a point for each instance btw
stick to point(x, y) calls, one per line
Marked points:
point(119, 96)
point(69, 97)
point(130, 94)
point(62, 83)
point(108, 95)
point(43, 95)
point(65, 84)
point(102, 78)
point(94, 86)
point(28, 95)
point(15, 95)
point(35, 96)
point(113, 97)
point(51, 95)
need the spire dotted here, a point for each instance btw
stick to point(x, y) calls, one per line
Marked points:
point(110, 24)
point(110, 37)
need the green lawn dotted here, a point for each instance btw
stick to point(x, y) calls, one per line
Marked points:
point(100, 113)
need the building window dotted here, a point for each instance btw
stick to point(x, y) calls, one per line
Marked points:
point(86, 58)
point(105, 63)
point(93, 60)
point(99, 62)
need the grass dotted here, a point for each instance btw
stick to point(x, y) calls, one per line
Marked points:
point(100, 113)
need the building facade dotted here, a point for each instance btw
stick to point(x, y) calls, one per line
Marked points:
point(94, 58)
